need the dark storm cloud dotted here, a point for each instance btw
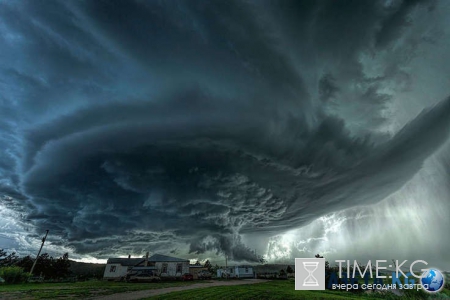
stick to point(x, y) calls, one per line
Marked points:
point(136, 125)
point(398, 18)
point(327, 87)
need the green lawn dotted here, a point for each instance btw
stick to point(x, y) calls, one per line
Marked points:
point(279, 289)
point(77, 290)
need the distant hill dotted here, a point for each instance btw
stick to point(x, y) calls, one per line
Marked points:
point(87, 270)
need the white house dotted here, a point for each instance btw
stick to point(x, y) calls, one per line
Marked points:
point(165, 266)
point(168, 266)
point(236, 272)
point(117, 268)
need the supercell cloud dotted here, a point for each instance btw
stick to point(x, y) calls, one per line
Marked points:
point(185, 127)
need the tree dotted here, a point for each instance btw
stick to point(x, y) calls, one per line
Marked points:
point(262, 259)
point(208, 265)
point(289, 269)
point(9, 259)
point(61, 266)
point(26, 263)
point(44, 266)
point(215, 268)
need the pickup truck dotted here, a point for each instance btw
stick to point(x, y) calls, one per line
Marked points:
point(143, 277)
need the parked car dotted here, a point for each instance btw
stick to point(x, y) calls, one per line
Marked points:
point(187, 276)
point(204, 275)
point(143, 277)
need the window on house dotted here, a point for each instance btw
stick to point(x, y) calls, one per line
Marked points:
point(112, 269)
point(231, 270)
point(179, 268)
point(164, 268)
point(246, 270)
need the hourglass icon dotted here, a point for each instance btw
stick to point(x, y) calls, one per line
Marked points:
point(310, 280)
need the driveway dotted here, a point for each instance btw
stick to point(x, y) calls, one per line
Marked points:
point(148, 293)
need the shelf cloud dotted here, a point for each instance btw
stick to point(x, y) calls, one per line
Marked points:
point(182, 126)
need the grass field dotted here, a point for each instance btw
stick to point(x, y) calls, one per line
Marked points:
point(284, 289)
point(277, 289)
point(77, 290)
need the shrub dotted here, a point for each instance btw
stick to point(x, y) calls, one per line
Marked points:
point(289, 270)
point(13, 274)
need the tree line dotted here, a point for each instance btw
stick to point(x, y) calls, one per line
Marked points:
point(46, 266)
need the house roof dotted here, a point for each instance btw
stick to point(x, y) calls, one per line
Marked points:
point(165, 258)
point(125, 261)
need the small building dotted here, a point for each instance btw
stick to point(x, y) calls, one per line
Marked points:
point(162, 265)
point(243, 271)
point(195, 268)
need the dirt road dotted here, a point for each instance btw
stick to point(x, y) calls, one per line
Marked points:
point(148, 293)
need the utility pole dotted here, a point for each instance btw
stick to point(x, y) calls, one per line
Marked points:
point(37, 257)
point(226, 266)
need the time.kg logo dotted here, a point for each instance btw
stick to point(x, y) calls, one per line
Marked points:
point(310, 273)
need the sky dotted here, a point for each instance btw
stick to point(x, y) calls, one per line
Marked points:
point(213, 129)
